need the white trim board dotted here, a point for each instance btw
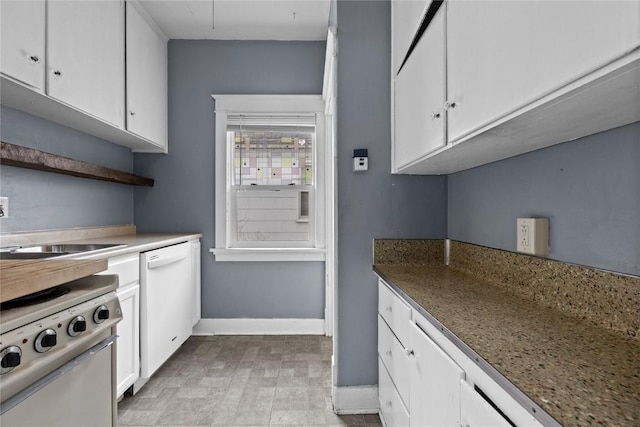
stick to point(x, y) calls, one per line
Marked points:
point(356, 400)
point(259, 327)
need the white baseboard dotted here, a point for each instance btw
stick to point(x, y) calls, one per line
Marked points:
point(356, 400)
point(259, 327)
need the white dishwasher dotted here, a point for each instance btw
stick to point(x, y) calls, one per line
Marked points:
point(166, 305)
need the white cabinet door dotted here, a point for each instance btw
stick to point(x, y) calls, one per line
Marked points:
point(503, 55)
point(477, 412)
point(406, 16)
point(85, 42)
point(392, 410)
point(197, 292)
point(395, 359)
point(395, 312)
point(419, 95)
point(22, 47)
point(128, 354)
point(435, 383)
point(146, 79)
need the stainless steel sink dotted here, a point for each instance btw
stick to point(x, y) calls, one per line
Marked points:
point(53, 250)
point(30, 255)
point(72, 248)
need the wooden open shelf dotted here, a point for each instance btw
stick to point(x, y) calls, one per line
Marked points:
point(30, 158)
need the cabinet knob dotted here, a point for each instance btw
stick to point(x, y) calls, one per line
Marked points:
point(389, 353)
point(449, 105)
point(132, 113)
point(388, 404)
point(57, 73)
point(389, 309)
point(409, 352)
point(34, 59)
point(435, 116)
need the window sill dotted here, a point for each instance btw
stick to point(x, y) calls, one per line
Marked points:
point(268, 254)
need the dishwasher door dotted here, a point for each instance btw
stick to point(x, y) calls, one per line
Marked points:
point(166, 304)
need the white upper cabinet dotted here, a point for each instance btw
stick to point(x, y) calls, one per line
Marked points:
point(85, 42)
point(64, 61)
point(516, 77)
point(146, 79)
point(22, 45)
point(504, 55)
point(419, 96)
point(406, 17)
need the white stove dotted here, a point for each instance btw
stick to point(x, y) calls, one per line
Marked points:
point(57, 354)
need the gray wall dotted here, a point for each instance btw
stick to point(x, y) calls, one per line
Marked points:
point(183, 196)
point(373, 204)
point(43, 200)
point(588, 188)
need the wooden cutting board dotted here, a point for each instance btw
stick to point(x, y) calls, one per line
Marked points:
point(23, 277)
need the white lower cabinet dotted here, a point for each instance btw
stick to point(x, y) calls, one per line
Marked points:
point(392, 411)
point(435, 383)
point(128, 353)
point(395, 358)
point(475, 411)
point(127, 267)
point(425, 380)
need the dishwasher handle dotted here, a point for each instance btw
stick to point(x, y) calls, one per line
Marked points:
point(161, 262)
point(52, 376)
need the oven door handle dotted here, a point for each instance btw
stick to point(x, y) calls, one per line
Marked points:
point(52, 376)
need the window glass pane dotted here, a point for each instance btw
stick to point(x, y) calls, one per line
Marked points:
point(272, 154)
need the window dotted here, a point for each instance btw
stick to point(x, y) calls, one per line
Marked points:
point(269, 189)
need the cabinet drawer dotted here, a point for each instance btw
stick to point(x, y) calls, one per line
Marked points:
point(127, 267)
point(392, 411)
point(476, 411)
point(395, 359)
point(395, 312)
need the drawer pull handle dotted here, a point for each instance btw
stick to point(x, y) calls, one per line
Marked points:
point(389, 309)
point(34, 59)
point(409, 352)
point(389, 353)
point(388, 404)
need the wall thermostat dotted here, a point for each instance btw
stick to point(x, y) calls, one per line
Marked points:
point(360, 159)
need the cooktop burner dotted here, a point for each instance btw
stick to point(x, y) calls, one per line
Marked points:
point(35, 298)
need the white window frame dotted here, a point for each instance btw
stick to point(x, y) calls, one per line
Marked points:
point(268, 104)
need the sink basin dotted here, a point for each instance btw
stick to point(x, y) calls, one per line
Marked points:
point(53, 250)
point(30, 255)
point(72, 248)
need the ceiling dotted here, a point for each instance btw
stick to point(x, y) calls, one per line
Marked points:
point(241, 19)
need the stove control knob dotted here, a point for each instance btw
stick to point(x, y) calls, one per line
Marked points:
point(45, 340)
point(101, 314)
point(9, 358)
point(77, 326)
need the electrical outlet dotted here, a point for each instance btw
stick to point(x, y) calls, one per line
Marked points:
point(4, 207)
point(533, 236)
point(523, 235)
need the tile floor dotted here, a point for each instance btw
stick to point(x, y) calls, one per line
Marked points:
point(242, 381)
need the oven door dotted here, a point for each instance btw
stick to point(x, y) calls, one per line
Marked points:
point(78, 394)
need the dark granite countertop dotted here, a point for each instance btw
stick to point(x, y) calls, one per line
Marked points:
point(577, 371)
